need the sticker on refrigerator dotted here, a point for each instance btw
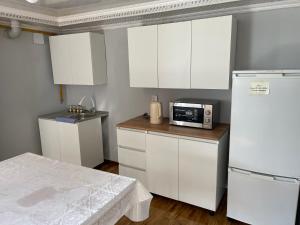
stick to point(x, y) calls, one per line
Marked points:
point(259, 88)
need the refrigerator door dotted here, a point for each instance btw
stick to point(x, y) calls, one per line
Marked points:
point(261, 200)
point(265, 124)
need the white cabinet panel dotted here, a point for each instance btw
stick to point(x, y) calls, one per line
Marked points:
point(90, 138)
point(79, 143)
point(140, 175)
point(261, 200)
point(69, 143)
point(60, 58)
point(132, 158)
point(131, 139)
point(81, 54)
point(49, 139)
point(198, 173)
point(162, 165)
point(213, 48)
point(174, 55)
point(78, 58)
point(142, 51)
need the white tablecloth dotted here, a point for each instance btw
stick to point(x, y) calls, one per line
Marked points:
point(38, 191)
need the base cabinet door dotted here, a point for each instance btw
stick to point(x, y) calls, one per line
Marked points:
point(262, 200)
point(162, 165)
point(198, 173)
point(90, 138)
point(69, 143)
point(49, 139)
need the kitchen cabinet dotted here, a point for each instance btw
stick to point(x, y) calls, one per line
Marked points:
point(79, 143)
point(202, 172)
point(132, 154)
point(196, 54)
point(78, 59)
point(162, 165)
point(142, 54)
point(175, 165)
point(213, 51)
point(174, 55)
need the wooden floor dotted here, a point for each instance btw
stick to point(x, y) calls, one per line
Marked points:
point(165, 211)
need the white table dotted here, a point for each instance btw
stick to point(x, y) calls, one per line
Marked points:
point(38, 191)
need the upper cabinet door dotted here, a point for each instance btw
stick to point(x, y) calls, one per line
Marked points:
point(81, 54)
point(213, 48)
point(60, 58)
point(174, 55)
point(78, 59)
point(142, 51)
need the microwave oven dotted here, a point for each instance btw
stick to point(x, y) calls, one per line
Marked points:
point(199, 113)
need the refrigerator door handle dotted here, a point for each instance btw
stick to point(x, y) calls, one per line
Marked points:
point(240, 171)
point(263, 177)
point(288, 180)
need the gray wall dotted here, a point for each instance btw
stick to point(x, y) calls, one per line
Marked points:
point(265, 40)
point(26, 91)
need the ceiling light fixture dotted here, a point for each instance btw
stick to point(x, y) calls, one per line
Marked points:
point(32, 1)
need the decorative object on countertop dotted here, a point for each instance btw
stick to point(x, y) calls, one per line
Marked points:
point(155, 111)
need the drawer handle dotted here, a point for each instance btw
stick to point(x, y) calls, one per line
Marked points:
point(132, 167)
point(131, 149)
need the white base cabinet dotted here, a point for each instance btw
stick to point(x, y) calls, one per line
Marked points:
point(190, 170)
point(202, 172)
point(79, 143)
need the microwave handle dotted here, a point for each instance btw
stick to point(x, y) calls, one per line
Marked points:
point(171, 105)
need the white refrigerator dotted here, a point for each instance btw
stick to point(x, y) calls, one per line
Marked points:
point(264, 158)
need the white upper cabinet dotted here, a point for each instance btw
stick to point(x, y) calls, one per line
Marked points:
point(213, 51)
point(78, 59)
point(142, 51)
point(196, 54)
point(174, 55)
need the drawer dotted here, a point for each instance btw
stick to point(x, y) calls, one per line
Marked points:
point(131, 139)
point(261, 199)
point(132, 158)
point(140, 175)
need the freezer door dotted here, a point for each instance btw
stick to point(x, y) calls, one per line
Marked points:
point(261, 200)
point(265, 124)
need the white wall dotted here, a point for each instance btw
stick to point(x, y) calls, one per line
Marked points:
point(265, 40)
point(26, 91)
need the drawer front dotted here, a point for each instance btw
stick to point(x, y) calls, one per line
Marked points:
point(132, 158)
point(131, 139)
point(260, 200)
point(133, 173)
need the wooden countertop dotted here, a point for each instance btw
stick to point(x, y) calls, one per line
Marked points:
point(140, 123)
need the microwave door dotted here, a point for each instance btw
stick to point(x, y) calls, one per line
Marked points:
point(188, 116)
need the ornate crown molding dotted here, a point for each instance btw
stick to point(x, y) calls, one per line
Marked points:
point(137, 10)
point(27, 16)
point(138, 14)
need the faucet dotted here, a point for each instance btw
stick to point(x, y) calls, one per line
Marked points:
point(93, 109)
